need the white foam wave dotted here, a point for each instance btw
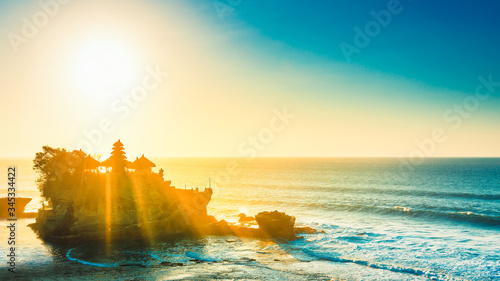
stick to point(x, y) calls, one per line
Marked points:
point(402, 208)
point(68, 255)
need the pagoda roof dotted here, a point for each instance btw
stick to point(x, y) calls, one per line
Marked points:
point(108, 162)
point(118, 143)
point(142, 163)
point(111, 161)
point(118, 152)
point(90, 163)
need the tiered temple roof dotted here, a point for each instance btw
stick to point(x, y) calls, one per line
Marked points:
point(118, 160)
point(90, 163)
point(142, 163)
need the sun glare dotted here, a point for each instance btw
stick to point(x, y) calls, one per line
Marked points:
point(104, 67)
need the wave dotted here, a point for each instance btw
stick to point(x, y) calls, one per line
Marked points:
point(200, 257)
point(455, 215)
point(405, 192)
point(68, 255)
point(336, 257)
point(459, 216)
point(402, 208)
point(441, 194)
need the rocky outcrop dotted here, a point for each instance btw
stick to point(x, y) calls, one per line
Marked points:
point(270, 225)
point(244, 218)
point(305, 230)
point(136, 207)
point(130, 202)
point(276, 224)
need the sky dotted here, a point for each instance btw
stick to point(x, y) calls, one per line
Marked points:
point(242, 78)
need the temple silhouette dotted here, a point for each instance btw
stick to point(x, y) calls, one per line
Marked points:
point(118, 162)
point(119, 200)
point(112, 199)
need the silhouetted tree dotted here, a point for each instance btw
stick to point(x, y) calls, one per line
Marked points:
point(55, 165)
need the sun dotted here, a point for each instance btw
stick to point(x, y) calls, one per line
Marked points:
point(103, 67)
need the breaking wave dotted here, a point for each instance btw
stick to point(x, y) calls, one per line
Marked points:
point(431, 214)
point(336, 257)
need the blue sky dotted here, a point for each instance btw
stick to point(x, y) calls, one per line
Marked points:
point(444, 44)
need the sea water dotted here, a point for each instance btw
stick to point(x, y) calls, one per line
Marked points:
point(380, 220)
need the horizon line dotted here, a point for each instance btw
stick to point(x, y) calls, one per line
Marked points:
point(290, 156)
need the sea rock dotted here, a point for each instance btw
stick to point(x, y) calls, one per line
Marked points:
point(171, 264)
point(244, 218)
point(216, 228)
point(305, 230)
point(276, 225)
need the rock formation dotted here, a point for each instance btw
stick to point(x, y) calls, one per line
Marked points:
point(115, 204)
point(244, 218)
point(119, 200)
point(276, 224)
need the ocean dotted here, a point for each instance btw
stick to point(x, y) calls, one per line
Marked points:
point(382, 220)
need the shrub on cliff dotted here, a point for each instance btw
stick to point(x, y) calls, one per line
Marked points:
point(55, 167)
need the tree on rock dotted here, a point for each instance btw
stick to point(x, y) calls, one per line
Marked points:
point(55, 166)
